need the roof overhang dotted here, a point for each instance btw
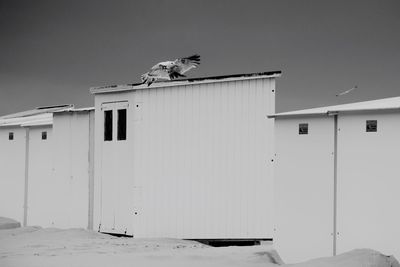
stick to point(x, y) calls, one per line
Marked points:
point(332, 112)
point(214, 79)
point(75, 110)
point(20, 121)
point(390, 104)
point(42, 116)
point(44, 122)
point(37, 111)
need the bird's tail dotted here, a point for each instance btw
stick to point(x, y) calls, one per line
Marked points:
point(146, 79)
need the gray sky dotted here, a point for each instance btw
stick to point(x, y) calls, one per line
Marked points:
point(51, 52)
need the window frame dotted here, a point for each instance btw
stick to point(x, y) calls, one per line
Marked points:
point(371, 126)
point(303, 128)
point(44, 135)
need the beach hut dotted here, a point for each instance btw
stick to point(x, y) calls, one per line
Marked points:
point(186, 159)
point(46, 165)
point(337, 179)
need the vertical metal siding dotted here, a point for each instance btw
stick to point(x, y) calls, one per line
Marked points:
point(71, 138)
point(200, 156)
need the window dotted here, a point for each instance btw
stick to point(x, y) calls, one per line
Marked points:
point(10, 136)
point(303, 128)
point(372, 125)
point(121, 124)
point(44, 135)
point(108, 125)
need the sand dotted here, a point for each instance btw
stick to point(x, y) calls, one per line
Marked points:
point(34, 246)
point(7, 223)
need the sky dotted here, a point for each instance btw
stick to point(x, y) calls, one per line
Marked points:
point(53, 51)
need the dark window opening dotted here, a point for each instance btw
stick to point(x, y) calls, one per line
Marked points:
point(303, 128)
point(121, 124)
point(44, 135)
point(108, 125)
point(372, 126)
point(10, 136)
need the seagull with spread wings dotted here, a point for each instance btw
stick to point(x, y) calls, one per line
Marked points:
point(347, 91)
point(170, 70)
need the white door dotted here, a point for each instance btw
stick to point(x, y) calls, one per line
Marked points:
point(116, 175)
point(304, 188)
point(368, 183)
point(41, 180)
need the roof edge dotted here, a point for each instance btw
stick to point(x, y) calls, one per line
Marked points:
point(55, 106)
point(75, 110)
point(183, 82)
point(37, 111)
point(331, 112)
point(274, 116)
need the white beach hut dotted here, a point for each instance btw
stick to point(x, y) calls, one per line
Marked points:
point(186, 159)
point(46, 166)
point(337, 179)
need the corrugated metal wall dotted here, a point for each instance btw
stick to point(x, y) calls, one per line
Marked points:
point(201, 159)
point(71, 133)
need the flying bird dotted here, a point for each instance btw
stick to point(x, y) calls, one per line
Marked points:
point(347, 91)
point(170, 70)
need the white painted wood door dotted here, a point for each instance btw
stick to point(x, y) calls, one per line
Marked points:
point(116, 177)
point(368, 183)
point(41, 182)
point(304, 189)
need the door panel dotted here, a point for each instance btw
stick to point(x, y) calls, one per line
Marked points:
point(368, 183)
point(41, 206)
point(304, 189)
point(116, 177)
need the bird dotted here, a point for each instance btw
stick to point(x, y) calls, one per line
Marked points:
point(170, 70)
point(347, 91)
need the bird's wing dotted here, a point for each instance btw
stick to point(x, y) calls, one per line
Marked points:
point(347, 91)
point(162, 65)
point(182, 65)
point(159, 74)
point(159, 71)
